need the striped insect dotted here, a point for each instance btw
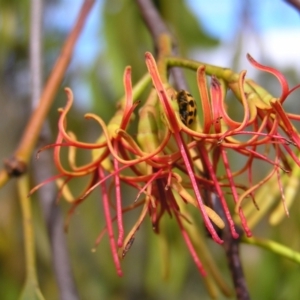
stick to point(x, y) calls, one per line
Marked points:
point(187, 107)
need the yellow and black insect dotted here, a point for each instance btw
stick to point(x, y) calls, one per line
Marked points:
point(187, 107)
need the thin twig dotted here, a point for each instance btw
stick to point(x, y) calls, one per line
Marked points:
point(31, 133)
point(153, 20)
point(42, 169)
point(157, 27)
point(294, 3)
point(231, 247)
point(36, 51)
point(54, 223)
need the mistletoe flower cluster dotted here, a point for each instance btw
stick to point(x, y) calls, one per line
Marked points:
point(173, 166)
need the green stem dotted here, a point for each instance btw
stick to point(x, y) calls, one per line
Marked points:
point(224, 73)
point(256, 95)
point(31, 289)
point(27, 227)
point(274, 247)
point(164, 50)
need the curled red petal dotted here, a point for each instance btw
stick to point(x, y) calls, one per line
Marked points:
point(276, 73)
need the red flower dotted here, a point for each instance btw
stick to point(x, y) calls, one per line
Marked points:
point(173, 165)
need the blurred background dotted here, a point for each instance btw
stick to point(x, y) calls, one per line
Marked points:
point(218, 32)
